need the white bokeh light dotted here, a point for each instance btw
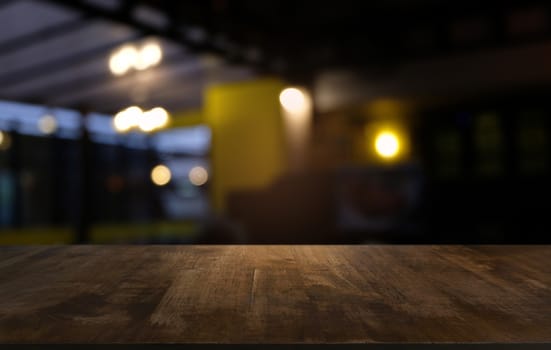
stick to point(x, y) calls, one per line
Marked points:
point(123, 59)
point(127, 118)
point(198, 176)
point(149, 55)
point(293, 100)
point(47, 124)
point(155, 118)
point(146, 122)
point(131, 57)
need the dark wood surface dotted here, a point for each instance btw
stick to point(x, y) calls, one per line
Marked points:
point(275, 294)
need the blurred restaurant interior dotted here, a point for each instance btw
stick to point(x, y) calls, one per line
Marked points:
point(284, 122)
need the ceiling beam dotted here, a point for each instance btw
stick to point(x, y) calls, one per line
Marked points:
point(41, 35)
point(42, 69)
point(124, 16)
point(87, 82)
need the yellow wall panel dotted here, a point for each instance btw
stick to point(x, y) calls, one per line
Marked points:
point(248, 148)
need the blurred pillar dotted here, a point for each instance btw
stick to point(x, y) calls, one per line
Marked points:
point(151, 193)
point(84, 214)
point(15, 173)
point(58, 179)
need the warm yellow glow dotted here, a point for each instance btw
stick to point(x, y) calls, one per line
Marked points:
point(123, 59)
point(128, 57)
point(198, 176)
point(146, 122)
point(387, 108)
point(293, 100)
point(296, 112)
point(5, 140)
point(120, 122)
point(133, 113)
point(149, 55)
point(117, 66)
point(160, 115)
point(160, 175)
point(155, 118)
point(47, 124)
point(387, 144)
point(127, 118)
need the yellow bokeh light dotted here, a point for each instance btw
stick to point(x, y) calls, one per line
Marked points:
point(155, 118)
point(128, 57)
point(127, 118)
point(120, 122)
point(5, 140)
point(160, 115)
point(198, 175)
point(47, 124)
point(123, 59)
point(146, 122)
point(148, 56)
point(387, 144)
point(134, 116)
point(161, 175)
point(117, 65)
point(293, 100)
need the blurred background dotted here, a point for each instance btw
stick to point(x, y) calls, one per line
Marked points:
point(227, 121)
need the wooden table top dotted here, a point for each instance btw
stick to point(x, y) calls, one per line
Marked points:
point(275, 294)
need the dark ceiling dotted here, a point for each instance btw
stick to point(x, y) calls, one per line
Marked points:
point(299, 38)
point(54, 52)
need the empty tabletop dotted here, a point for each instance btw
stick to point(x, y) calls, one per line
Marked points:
point(366, 294)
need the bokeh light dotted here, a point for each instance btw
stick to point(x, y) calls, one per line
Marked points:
point(161, 175)
point(5, 140)
point(160, 115)
point(198, 176)
point(120, 122)
point(293, 100)
point(123, 59)
point(127, 118)
point(117, 65)
point(387, 144)
point(47, 124)
point(146, 121)
point(128, 57)
point(149, 56)
point(155, 118)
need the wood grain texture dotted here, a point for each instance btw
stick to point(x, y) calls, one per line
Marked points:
point(275, 294)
